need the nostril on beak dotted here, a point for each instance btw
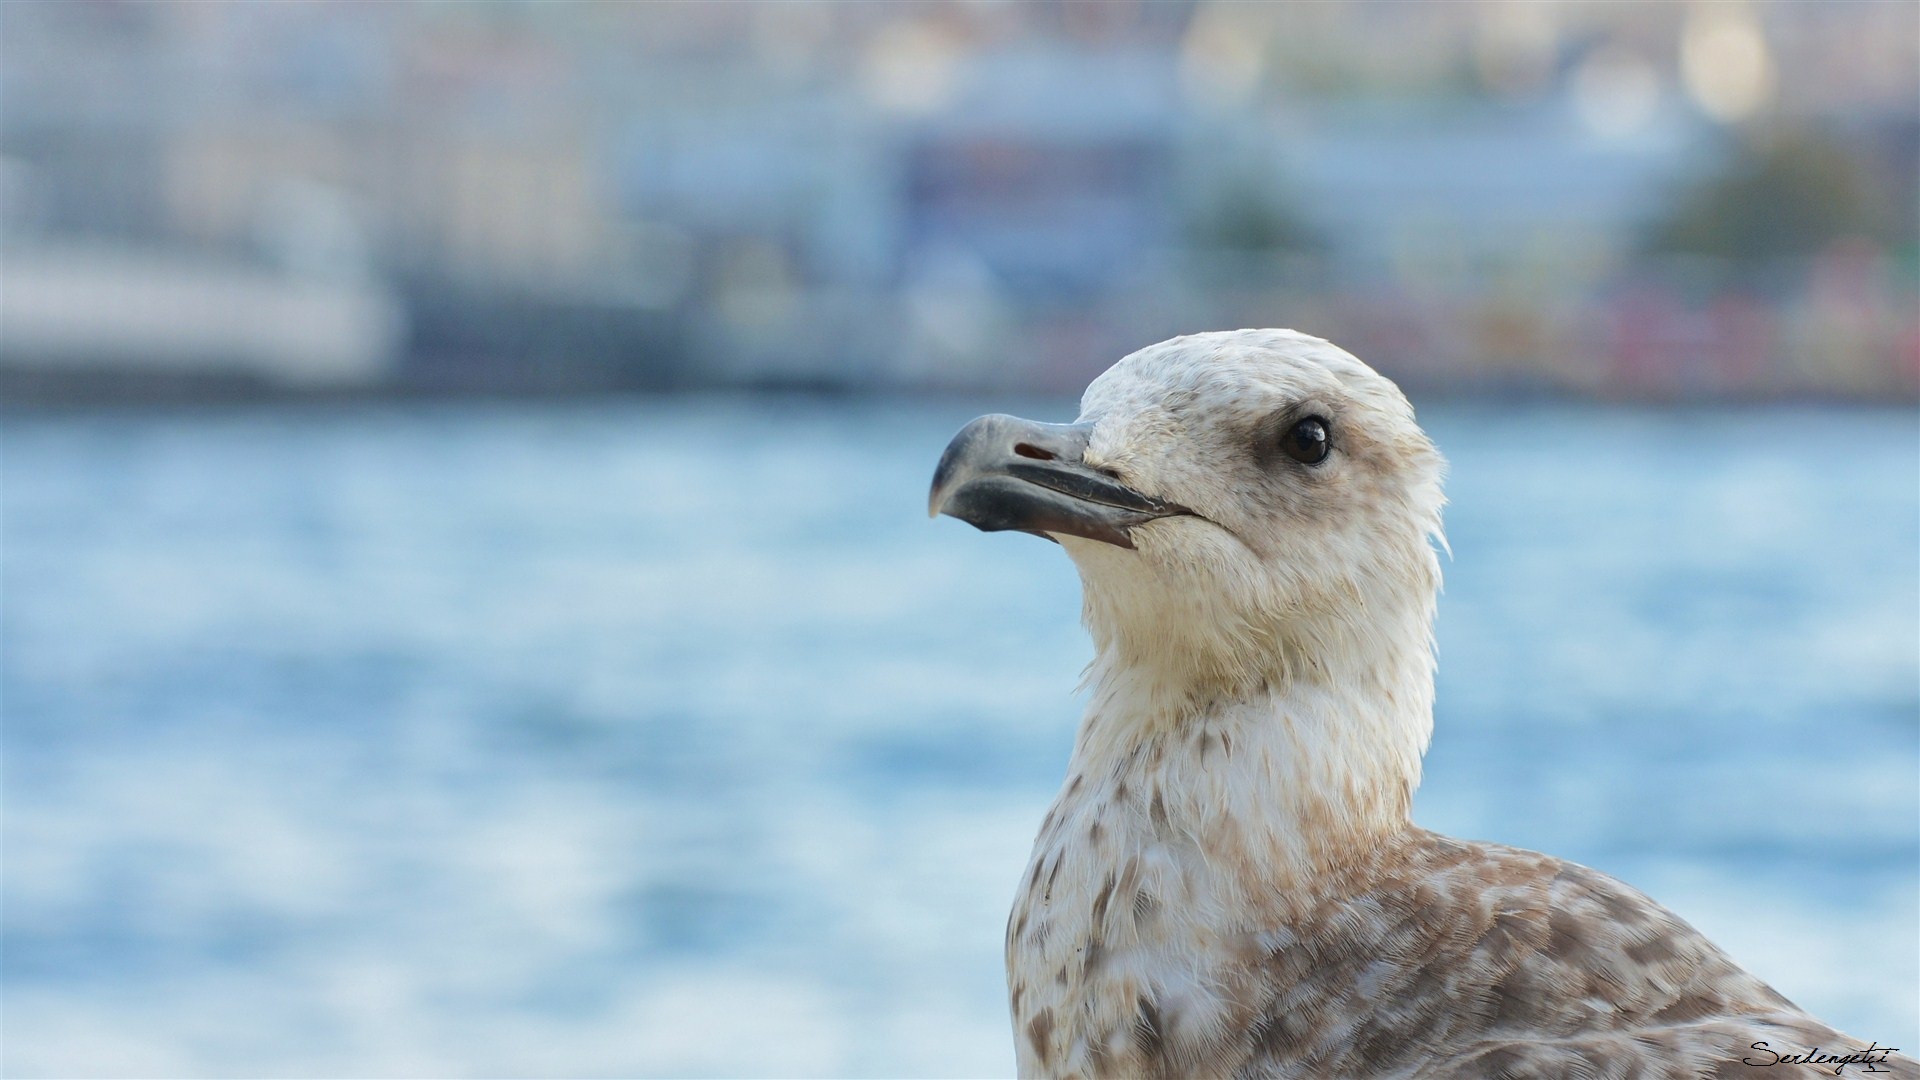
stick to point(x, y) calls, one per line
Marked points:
point(1028, 450)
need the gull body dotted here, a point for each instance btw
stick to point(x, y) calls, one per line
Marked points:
point(1229, 882)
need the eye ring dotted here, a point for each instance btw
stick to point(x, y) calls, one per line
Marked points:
point(1307, 441)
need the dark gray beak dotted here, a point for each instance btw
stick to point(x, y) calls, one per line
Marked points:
point(1002, 472)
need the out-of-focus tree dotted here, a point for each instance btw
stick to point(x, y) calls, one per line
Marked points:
point(1782, 195)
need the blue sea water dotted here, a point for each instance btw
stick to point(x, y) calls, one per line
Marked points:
point(671, 738)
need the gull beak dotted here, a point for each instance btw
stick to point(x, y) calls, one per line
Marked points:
point(1001, 472)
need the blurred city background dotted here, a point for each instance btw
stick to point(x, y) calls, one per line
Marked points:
point(1694, 200)
point(466, 604)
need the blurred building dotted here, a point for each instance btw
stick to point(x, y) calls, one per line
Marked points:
point(514, 197)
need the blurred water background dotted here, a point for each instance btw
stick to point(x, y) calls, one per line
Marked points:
point(670, 738)
point(466, 606)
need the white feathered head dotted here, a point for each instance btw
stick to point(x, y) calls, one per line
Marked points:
point(1245, 506)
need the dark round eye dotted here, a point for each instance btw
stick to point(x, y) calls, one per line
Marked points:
point(1306, 441)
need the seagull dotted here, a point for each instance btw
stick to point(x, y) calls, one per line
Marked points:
point(1229, 883)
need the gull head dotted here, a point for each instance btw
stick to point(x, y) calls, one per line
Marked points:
point(1245, 507)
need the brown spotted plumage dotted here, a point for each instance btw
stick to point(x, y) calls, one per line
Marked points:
point(1229, 884)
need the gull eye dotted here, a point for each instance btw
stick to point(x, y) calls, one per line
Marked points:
point(1306, 441)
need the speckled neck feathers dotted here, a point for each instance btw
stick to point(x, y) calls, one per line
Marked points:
point(1198, 808)
point(1304, 752)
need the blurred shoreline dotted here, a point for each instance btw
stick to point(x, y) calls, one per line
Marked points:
point(104, 324)
point(28, 397)
point(239, 399)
